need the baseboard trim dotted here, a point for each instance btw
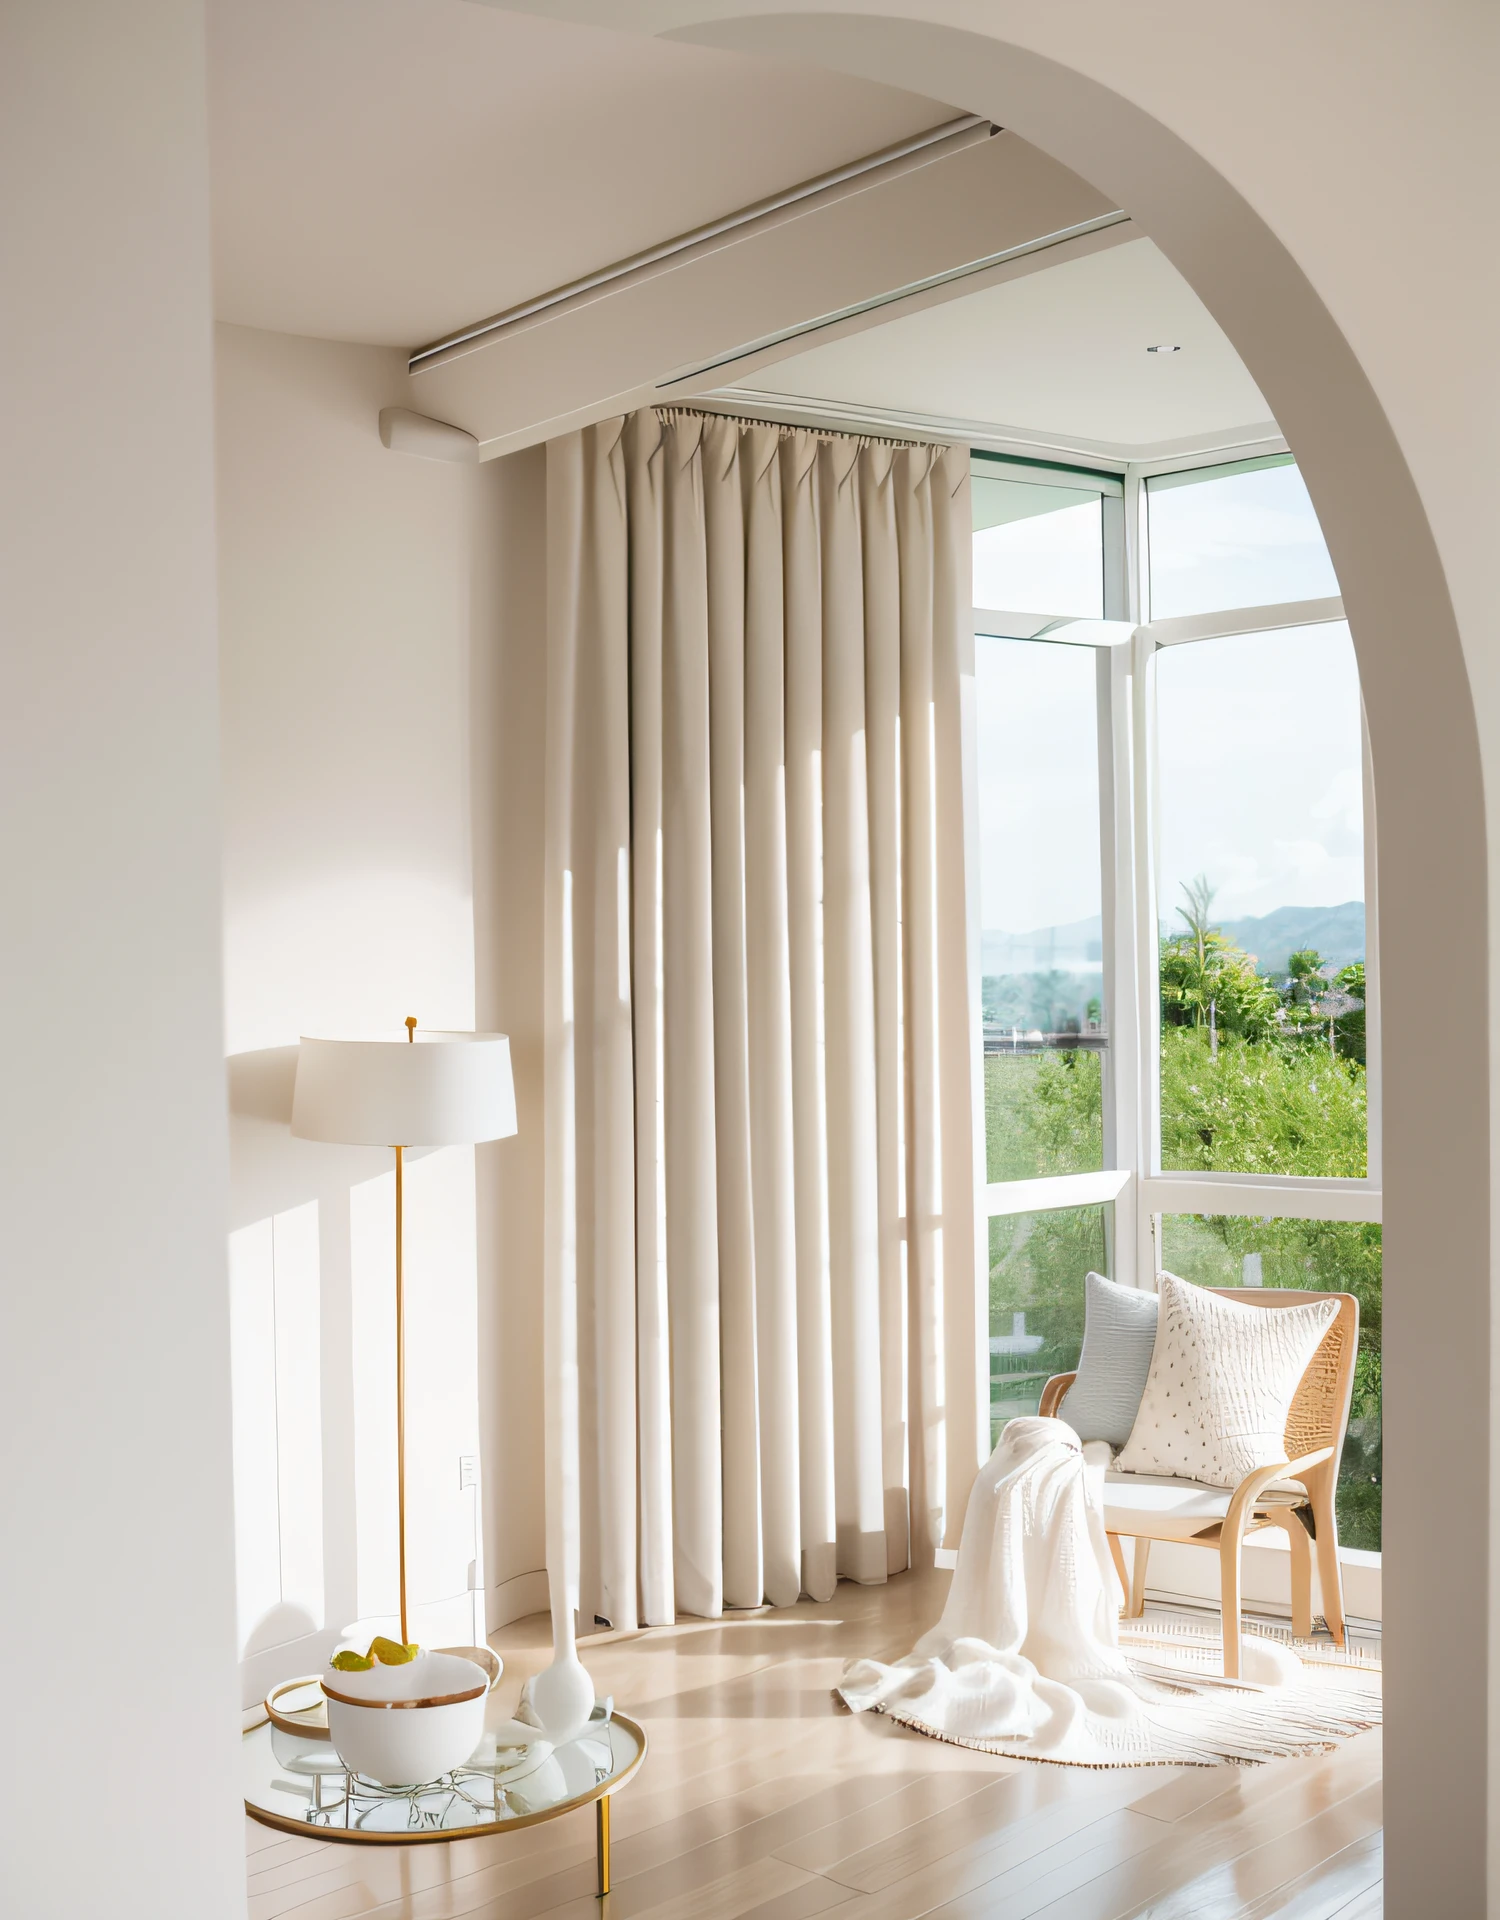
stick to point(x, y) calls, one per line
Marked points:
point(1181, 1574)
point(513, 1599)
point(1362, 1627)
point(261, 1671)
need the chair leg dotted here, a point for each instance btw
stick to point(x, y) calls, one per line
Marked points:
point(1301, 1578)
point(1330, 1572)
point(1117, 1554)
point(1229, 1600)
point(1138, 1580)
point(1301, 1558)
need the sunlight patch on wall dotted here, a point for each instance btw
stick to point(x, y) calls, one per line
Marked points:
point(277, 1423)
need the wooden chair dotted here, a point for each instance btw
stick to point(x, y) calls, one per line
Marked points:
point(1149, 1507)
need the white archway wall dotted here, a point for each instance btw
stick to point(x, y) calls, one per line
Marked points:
point(1323, 180)
point(114, 1365)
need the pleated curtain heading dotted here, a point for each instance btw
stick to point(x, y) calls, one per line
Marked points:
point(765, 1304)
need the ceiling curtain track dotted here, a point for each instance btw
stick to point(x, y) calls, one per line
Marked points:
point(675, 416)
point(764, 1257)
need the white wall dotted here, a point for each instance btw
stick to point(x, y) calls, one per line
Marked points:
point(509, 730)
point(116, 1600)
point(355, 585)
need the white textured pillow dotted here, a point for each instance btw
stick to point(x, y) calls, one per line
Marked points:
point(1223, 1377)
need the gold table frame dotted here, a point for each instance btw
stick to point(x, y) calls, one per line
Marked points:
point(598, 1796)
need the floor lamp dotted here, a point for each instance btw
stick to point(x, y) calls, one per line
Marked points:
point(421, 1090)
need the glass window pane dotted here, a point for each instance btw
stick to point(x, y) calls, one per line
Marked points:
point(1242, 536)
point(1038, 549)
point(1326, 1256)
point(1260, 893)
point(1037, 1265)
point(1040, 899)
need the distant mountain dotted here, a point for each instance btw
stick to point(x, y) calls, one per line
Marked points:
point(1079, 944)
point(1338, 933)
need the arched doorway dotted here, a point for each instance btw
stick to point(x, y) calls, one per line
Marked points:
point(1432, 873)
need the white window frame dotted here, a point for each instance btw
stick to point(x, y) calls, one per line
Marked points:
point(1126, 643)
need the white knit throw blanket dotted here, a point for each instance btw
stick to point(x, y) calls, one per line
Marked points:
point(1027, 1660)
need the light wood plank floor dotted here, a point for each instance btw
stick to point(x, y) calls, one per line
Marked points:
point(762, 1798)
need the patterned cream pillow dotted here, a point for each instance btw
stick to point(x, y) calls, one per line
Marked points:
point(1223, 1377)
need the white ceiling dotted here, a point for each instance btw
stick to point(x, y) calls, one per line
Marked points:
point(389, 170)
point(1059, 354)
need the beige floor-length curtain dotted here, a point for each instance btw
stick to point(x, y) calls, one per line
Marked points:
point(765, 1353)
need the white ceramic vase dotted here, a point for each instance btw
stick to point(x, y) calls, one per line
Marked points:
point(562, 1698)
point(403, 1726)
point(562, 1695)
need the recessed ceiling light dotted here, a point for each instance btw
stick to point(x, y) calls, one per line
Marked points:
point(1164, 349)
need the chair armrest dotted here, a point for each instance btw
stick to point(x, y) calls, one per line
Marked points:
point(1254, 1484)
point(1053, 1394)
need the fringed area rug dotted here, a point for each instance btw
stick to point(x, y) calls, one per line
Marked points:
point(1030, 1659)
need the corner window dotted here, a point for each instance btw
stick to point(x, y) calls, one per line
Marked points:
point(1042, 944)
point(1179, 935)
point(1236, 536)
point(1260, 889)
point(1038, 548)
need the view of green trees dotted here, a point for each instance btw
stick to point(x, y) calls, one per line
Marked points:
point(1044, 1113)
point(1037, 1264)
point(1258, 1075)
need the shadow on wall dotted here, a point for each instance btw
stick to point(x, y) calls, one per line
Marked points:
point(292, 1389)
point(270, 1172)
point(312, 1339)
point(281, 1625)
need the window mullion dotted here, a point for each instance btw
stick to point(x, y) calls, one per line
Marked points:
point(1374, 1158)
point(1280, 1198)
point(1143, 931)
point(1228, 624)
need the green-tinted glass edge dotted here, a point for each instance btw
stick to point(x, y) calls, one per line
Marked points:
point(1195, 476)
point(1010, 466)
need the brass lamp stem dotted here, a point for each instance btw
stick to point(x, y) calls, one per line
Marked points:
point(402, 1373)
point(401, 1397)
point(411, 1034)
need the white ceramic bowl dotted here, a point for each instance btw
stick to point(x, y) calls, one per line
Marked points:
point(402, 1726)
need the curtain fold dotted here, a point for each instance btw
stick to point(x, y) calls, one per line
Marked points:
point(766, 1367)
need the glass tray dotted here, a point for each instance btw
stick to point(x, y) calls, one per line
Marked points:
point(294, 1780)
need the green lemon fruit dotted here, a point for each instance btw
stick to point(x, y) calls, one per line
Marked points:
point(351, 1662)
point(391, 1653)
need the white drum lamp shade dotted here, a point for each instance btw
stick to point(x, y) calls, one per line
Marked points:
point(410, 1090)
point(439, 1090)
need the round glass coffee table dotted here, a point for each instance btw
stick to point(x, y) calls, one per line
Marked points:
point(294, 1780)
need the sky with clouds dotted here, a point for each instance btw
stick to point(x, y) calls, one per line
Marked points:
point(1259, 748)
point(1259, 780)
